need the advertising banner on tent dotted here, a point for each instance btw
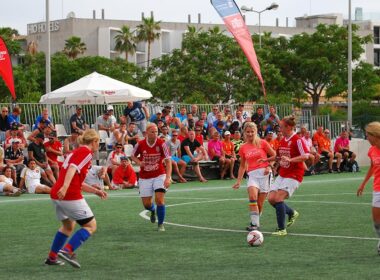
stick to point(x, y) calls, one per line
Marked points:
point(234, 22)
point(6, 71)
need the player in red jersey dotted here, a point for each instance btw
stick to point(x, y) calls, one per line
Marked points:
point(70, 206)
point(150, 154)
point(254, 161)
point(292, 153)
point(373, 136)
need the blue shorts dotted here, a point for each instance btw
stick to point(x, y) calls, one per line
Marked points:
point(176, 159)
point(186, 159)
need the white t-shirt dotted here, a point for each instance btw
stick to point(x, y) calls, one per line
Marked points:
point(113, 155)
point(92, 177)
point(32, 177)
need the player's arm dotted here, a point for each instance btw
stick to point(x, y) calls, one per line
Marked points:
point(168, 169)
point(89, 189)
point(66, 183)
point(240, 173)
point(365, 181)
point(145, 112)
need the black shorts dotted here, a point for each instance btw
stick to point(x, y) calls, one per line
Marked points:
point(215, 158)
point(346, 151)
point(325, 154)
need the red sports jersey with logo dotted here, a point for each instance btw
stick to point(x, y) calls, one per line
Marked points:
point(56, 145)
point(152, 156)
point(292, 147)
point(81, 160)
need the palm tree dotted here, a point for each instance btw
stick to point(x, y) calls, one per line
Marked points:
point(74, 47)
point(125, 41)
point(147, 32)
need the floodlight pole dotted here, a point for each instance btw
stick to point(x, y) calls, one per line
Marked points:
point(349, 92)
point(47, 54)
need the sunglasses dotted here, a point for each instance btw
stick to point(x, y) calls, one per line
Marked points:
point(175, 135)
point(5, 111)
point(119, 147)
point(197, 130)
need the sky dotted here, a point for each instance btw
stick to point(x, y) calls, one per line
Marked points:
point(18, 13)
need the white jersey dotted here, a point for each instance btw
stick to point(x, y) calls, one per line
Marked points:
point(113, 155)
point(113, 138)
point(92, 177)
point(32, 177)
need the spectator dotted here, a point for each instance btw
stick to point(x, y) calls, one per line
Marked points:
point(113, 160)
point(277, 140)
point(269, 138)
point(203, 126)
point(228, 121)
point(237, 142)
point(318, 134)
point(97, 176)
point(31, 177)
point(36, 152)
point(303, 131)
point(15, 135)
point(154, 118)
point(314, 157)
point(182, 116)
point(164, 133)
point(120, 135)
point(216, 153)
point(132, 135)
point(6, 183)
point(4, 125)
point(194, 112)
point(342, 146)
point(188, 148)
point(324, 148)
point(238, 118)
point(229, 152)
point(244, 114)
point(211, 117)
point(234, 127)
point(112, 117)
point(53, 149)
point(272, 118)
point(184, 134)
point(70, 143)
point(198, 134)
point(77, 122)
point(258, 118)
point(104, 122)
point(189, 122)
point(178, 165)
point(40, 129)
point(124, 176)
point(15, 118)
point(138, 114)
point(44, 116)
point(174, 123)
point(14, 158)
point(219, 119)
point(226, 112)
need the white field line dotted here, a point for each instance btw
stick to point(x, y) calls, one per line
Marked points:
point(144, 215)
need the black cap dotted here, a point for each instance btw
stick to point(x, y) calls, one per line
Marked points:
point(40, 135)
point(14, 126)
point(123, 158)
point(53, 134)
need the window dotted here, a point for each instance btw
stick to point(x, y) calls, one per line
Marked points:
point(376, 34)
point(376, 57)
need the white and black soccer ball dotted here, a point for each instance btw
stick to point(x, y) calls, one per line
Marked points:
point(255, 238)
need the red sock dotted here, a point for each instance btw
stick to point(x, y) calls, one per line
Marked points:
point(68, 248)
point(52, 255)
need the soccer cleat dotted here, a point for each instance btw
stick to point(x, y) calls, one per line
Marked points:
point(252, 227)
point(49, 261)
point(152, 217)
point(280, 232)
point(378, 248)
point(70, 258)
point(292, 219)
point(161, 227)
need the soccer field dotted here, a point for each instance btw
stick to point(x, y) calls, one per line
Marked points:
point(205, 236)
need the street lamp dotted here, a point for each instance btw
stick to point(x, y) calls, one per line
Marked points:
point(273, 6)
point(349, 90)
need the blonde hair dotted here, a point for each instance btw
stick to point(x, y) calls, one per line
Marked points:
point(150, 125)
point(256, 139)
point(88, 137)
point(373, 128)
point(289, 121)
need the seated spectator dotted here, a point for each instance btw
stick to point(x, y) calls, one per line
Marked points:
point(53, 149)
point(342, 146)
point(14, 158)
point(183, 134)
point(189, 122)
point(6, 183)
point(211, 117)
point(137, 113)
point(228, 121)
point(191, 151)
point(160, 124)
point(314, 157)
point(112, 117)
point(220, 127)
point(174, 123)
point(4, 125)
point(164, 135)
point(216, 153)
point(272, 118)
point(104, 122)
point(219, 120)
point(239, 118)
point(37, 153)
point(237, 142)
point(40, 129)
point(124, 176)
point(14, 134)
point(77, 122)
point(31, 177)
point(44, 116)
point(120, 135)
point(198, 134)
point(276, 141)
point(194, 112)
point(113, 160)
point(178, 165)
point(203, 127)
point(97, 176)
point(229, 152)
point(182, 115)
point(269, 138)
point(70, 143)
point(132, 135)
point(258, 118)
point(244, 113)
point(318, 134)
point(157, 116)
point(15, 118)
point(226, 112)
point(324, 148)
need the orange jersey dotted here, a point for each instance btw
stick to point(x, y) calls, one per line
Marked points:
point(324, 143)
point(275, 144)
point(228, 147)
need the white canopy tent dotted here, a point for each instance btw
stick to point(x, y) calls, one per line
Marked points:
point(95, 89)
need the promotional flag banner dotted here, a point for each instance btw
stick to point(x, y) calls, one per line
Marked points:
point(234, 21)
point(6, 68)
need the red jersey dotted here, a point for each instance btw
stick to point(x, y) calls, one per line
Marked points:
point(374, 155)
point(56, 145)
point(252, 154)
point(152, 156)
point(124, 174)
point(81, 159)
point(292, 147)
point(199, 138)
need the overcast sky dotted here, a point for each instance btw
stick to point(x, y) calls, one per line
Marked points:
point(18, 13)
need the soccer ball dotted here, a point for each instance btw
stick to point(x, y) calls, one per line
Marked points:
point(255, 238)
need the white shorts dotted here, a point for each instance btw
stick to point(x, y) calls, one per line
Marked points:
point(376, 199)
point(2, 185)
point(32, 188)
point(75, 210)
point(149, 186)
point(286, 184)
point(257, 179)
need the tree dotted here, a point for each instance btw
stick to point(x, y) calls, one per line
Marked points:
point(148, 32)
point(74, 47)
point(8, 34)
point(125, 41)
